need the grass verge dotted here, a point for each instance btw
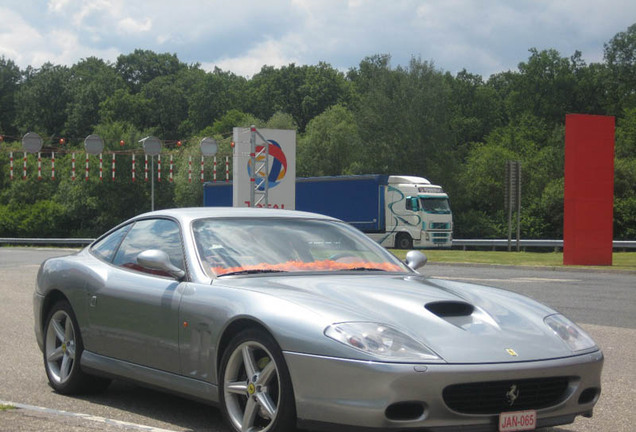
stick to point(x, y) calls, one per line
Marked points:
point(4, 407)
point(620, 260)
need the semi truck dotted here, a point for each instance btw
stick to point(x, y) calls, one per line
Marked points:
point(397, 211)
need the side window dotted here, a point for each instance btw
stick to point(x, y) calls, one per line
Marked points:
point(106, 247)
point(162, 234)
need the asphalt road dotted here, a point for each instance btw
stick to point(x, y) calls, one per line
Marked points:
point(603, 303)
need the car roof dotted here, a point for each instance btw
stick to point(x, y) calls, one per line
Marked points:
point(191, 213)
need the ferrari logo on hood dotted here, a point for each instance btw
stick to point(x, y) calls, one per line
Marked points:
point(512, 352)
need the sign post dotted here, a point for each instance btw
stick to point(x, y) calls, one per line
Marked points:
point(512, 196)
point(152, 147)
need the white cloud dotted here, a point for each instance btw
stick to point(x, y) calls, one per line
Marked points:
point(58, 5)
point(18, 39)
point(243, 35)
point(130, 25)
point(269, 52)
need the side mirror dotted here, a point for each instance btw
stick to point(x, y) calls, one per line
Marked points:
point(155, 259)
point(415, 259)
point(415, 204)
point(412, 203)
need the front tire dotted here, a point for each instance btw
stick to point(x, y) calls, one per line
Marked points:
point(256, 390)
point(63, 349)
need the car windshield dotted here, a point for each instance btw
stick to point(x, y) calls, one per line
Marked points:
point(435, 205)
point(264, 245)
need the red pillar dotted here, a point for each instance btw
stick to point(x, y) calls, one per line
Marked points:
point(589, 190)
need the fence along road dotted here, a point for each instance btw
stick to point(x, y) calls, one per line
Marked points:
point(457, 243)
point(23, 381)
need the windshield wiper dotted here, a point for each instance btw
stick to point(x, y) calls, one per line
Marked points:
point(254, 271)
point(364, 269)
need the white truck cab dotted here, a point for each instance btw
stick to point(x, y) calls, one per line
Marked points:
point(418, 215)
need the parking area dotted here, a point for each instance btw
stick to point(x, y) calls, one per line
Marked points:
point(128, 407)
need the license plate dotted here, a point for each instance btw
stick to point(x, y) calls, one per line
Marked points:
point(517, 421)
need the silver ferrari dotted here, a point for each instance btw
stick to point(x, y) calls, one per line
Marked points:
point(292, 320)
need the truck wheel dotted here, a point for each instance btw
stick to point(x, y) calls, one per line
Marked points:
point(403, 241)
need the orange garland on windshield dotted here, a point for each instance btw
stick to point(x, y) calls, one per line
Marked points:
point(297, 266)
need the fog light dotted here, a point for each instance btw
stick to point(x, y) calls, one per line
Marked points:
point(589, 395)
point(404, 411)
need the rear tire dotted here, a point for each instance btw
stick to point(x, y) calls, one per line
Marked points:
point(403, 241)
point(256, 391)
point(63, 349)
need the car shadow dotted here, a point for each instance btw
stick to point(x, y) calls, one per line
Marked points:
point(158, 409)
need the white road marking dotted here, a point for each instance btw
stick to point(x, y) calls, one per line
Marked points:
point(119, 423)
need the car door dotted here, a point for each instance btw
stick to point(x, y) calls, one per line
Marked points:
point(134, 313)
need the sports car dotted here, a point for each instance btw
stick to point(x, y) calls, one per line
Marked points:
point(290, 320)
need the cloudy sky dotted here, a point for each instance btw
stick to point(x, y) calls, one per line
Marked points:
point(482, 36)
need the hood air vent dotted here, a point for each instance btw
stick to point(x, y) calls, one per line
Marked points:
point(447, 309)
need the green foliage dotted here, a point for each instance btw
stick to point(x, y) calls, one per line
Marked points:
point(142, 66)
point(42, 99)
point(620, 57)
point(403, 118)
point(331, 145)
point(231, 119)
point(212, 96)
point(301, 91)
point(9, 79)
point(456, 130)
point(92, 81)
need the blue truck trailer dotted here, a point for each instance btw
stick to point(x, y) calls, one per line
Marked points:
point(396, 211)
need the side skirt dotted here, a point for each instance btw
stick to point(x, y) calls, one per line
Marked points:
point(117, 369)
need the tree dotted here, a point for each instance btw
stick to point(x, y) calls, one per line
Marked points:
point(9, 81)
point(544, 87)
point(231, 119)
point(625, 177)
point(281, 120)
point(476, 109)
point(479, 197)
point(480, 209)
point(92, 81)
point(142, 66)
point(331, 145)
point(167, 106)
point(122, 106)
point(212, 96)
point(403, 118)
point(42, 100)
point(303, 92)
point(620, 56)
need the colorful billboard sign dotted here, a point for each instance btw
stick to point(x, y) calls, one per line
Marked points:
point(280, 183)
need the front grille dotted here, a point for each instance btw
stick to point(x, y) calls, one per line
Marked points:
point(499, 396)
point(440, 225)
point(440, 237)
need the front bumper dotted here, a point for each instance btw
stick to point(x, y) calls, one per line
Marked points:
point(434, 239)
point(38, 302)
point(355, 395)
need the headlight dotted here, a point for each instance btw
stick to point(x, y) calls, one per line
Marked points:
point(381, 341)
point(571, 334)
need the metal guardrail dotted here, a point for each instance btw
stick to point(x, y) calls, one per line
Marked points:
point(524, 244)
point(457, 243)
point(46, 241)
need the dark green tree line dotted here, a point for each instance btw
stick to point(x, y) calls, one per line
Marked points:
point(455, 129)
